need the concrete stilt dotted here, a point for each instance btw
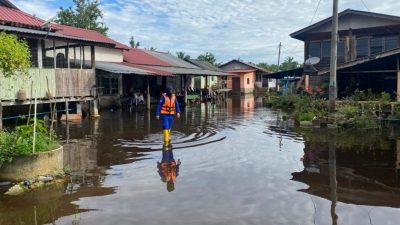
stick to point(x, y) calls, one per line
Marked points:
point(94, 109)
point(148, 94)
point(79, 109)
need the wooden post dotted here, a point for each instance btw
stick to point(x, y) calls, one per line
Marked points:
point(148, 94)
point(80, 55)
point(93, 56)
point(398, 78)
point(1, 116)
point(67, 55)
point(40, 54)
point(66, 110)
point(185, 88)
point(54, 54)
point(79, 109)
point(307, 82)
point(397, 154)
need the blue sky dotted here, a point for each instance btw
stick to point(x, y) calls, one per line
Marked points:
point(247, 29)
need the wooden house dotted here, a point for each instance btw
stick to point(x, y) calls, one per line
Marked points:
point(63, 60)
point(368, 52)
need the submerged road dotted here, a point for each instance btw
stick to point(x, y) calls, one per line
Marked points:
point(239, 164)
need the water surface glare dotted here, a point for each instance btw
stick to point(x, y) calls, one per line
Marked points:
point(231, 165)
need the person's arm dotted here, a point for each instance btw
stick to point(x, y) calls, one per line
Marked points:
point(177, 108)
point(159, 106)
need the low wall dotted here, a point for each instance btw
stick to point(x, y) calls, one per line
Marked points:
point(31, 166)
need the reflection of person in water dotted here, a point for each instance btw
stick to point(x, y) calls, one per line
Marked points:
point(168, 169)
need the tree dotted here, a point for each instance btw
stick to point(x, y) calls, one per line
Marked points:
point(86, 14)
point(151, 49)
point(133, 43)
point(14, 55)
point(289, 64)
point(182, 55)
point(14, 60)
point(207, 57)
point(271, 67)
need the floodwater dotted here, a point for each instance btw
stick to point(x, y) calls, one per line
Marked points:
point(232, 163)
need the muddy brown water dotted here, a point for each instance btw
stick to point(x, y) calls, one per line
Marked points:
point(240, 164)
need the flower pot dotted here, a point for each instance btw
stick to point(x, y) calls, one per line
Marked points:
point(21, 95)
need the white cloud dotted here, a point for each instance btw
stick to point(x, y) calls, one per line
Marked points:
point(249, 29)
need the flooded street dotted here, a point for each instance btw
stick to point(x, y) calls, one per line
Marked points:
point(239, 164)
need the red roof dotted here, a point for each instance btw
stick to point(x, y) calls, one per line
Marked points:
point(155, 71)
point(19, 18)
point(87, 34)
point(239, 71)
point(141, 57)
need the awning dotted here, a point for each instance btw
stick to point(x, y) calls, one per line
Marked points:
point(120, 69)
point(288, 73)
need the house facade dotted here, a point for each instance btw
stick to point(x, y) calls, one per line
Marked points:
point(367, 52)
point(244, 77)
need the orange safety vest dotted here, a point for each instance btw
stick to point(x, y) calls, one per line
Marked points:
point(168, 171)
point(168, 108)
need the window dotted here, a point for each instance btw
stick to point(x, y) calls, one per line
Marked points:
point(326, 49)
point(33, 49)
point(248, 80)
point(391, 42)
point(362, 47)
point(376, 45)
point(110, 85)
point(314, 49)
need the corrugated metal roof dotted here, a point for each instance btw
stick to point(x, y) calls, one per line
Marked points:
point(43, 33)
point(85, 33)
point(142, 57)
point(171, 59)
point(186, 71)
point(247, 64)
point(17, 17)
point(205, 65)
point(121, 69)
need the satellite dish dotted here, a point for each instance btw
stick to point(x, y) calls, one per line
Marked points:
point(312, 61)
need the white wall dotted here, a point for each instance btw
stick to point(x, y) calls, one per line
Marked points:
point(109, 54)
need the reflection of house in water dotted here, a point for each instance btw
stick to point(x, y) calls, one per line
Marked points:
point(243, 103)
point(366, 175)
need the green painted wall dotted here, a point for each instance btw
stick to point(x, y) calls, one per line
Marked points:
point(10, 86)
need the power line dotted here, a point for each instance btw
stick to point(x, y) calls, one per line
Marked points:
point(365, 5)
point(311, 21)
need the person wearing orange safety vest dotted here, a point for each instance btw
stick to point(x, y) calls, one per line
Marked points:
point(167, 109)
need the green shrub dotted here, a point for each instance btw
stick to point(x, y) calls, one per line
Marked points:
point(20, 142)
point(365, 122)
point(348, 110)
point(305, 116)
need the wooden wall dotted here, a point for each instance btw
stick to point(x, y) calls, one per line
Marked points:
point(74, 82)
point(60, 83)
point(10, 86)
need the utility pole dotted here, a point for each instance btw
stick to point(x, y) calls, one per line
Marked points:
point(279, 61)
point(333, 66)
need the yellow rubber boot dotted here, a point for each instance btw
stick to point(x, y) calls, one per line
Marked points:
point(166, 137)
